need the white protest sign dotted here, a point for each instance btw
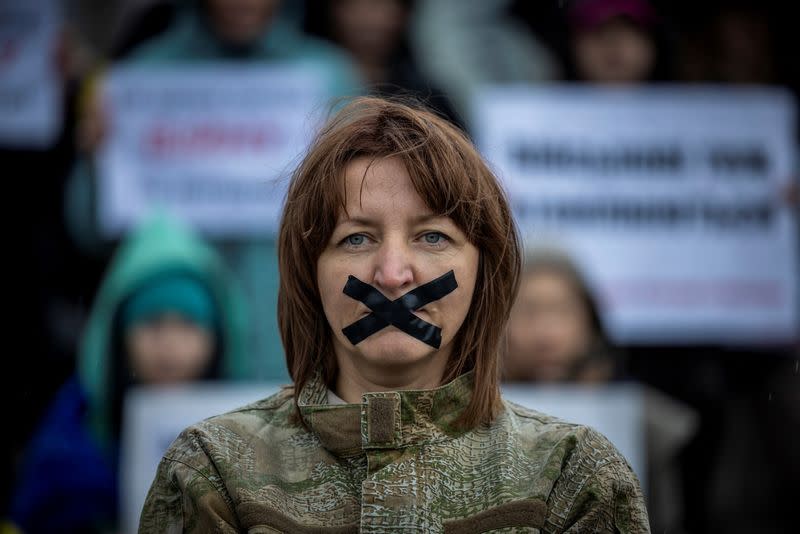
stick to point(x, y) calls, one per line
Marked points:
point(669, 199)
point(212, 144)
point(30, 85)
point(154, 416)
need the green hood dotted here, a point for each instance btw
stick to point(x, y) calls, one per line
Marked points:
point(158, 245)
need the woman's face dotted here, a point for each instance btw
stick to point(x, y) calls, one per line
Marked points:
point(549, 329)
point(388, 238)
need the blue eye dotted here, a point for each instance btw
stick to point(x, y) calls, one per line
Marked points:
point(355, 240)
point(433, 238)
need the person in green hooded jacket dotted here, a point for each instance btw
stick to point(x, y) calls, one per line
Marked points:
point(167, 312)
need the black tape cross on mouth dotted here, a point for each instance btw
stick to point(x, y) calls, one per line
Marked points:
point(397, 312)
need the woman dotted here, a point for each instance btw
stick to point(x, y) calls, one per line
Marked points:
point(376, 34)
point(399, 264)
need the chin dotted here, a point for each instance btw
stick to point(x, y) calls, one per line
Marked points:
point(394, 348)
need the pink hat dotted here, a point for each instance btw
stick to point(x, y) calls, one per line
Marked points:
point(587, 14)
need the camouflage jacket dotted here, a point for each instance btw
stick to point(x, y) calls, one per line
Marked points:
point(393, 463)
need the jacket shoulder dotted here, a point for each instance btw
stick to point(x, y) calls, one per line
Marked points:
point(583, 445)
point(529, 422)
point(273, 411)
point(268, 406)
point(593, 487)
point(267, 420)
point(533, 416)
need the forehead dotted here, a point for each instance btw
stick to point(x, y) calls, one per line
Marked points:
point(380, 186)
point(547, 280)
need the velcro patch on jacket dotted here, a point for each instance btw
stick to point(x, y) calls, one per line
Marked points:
point(381, 420)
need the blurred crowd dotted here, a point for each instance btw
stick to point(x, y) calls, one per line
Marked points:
point(165, 305)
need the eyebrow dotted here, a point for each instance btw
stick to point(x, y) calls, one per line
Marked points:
point(365, 221)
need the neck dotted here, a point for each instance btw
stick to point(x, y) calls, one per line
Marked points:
point(356, 378)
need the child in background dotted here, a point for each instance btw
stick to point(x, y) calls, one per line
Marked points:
point(167, 312)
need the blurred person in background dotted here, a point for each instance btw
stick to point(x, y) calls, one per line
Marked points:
point(742, 471)
point(752, 473)
point(733, 42)
point(462, 45)
point(167, 312)
point(555, 335)
point(53, 280)
point(252, 31)
point(614, 42)
point(375, 33)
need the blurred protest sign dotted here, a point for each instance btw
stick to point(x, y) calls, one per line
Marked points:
point(30, 84)
point(154, 416)
point(213, 144)
point(669, 199)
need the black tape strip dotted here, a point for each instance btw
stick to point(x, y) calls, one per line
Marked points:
point(397, 312)
point(384, 313)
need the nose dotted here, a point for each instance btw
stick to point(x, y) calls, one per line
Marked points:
point(393, 268)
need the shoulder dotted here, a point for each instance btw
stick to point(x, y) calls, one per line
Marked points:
point(63, 432)
point(232, 435)
point(591, 482)
point(580, 439)
point(269, 409)
point(205, 455)
point(583, 451)
point(62, 451)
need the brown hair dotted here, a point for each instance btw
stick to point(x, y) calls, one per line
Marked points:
point(449, 174)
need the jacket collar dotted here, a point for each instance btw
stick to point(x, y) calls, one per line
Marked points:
point(385, 420)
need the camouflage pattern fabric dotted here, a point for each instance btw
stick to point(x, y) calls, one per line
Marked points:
point(394, 463)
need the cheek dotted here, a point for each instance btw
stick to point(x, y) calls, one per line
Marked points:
point(140, 346)
point(329, 306)
point(198, 347)
point(579, 333)
point(337, 306)
point(466, 276)
point(465, 301)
